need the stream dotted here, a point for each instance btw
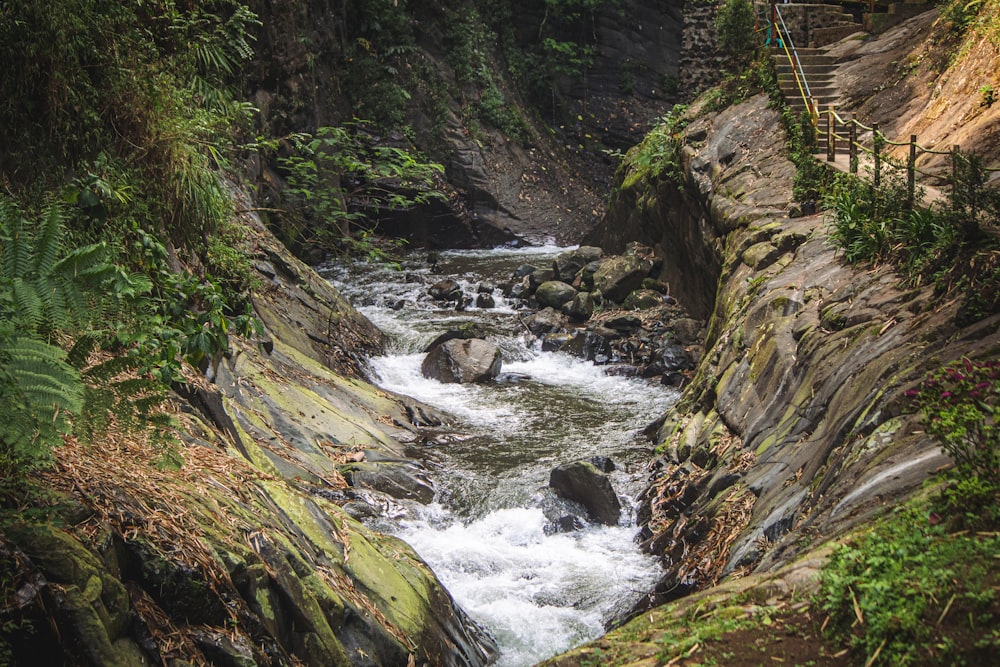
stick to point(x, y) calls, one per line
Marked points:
point(537, 591)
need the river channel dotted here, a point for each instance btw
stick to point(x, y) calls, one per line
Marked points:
point(536, 590)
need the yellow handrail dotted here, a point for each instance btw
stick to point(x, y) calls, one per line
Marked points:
point(784, 39)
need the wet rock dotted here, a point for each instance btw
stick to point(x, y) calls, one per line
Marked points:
point(555, 342)
point(603, 463)
point(462, 361)
point(464, 331)
point(670, 358)
point(445, 290)
point(554, 293)
point(567, 264)
point(485, 301)
point(564, 516)
point(398, 479)
point(582, 482)
point(618, 276)
point(547, 320)
point(580, 308)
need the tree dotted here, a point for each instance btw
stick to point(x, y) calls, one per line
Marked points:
point(735, 26)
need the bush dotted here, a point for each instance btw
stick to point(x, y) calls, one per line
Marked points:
point(735, 25)
point(960, 406)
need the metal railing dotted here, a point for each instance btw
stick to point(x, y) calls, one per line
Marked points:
point(782, 36)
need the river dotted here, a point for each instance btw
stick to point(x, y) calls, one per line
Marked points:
point(537, 591)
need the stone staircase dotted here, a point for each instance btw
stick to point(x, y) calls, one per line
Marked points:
point(815, 25)
point(820, 74)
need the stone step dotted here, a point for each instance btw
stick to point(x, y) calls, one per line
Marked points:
point(813, 74)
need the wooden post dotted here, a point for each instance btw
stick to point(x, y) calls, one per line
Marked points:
point(852, 133)
point(831, 137)
point(955, 157)
point(911, 173)
point(877, 147)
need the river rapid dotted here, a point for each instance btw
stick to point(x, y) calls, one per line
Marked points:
point(537, 591)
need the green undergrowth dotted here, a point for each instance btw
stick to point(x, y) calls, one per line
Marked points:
point(911, 592)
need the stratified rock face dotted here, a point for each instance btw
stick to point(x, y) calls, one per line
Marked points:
point(462, 361)
point(582, 482)
point(797, 414)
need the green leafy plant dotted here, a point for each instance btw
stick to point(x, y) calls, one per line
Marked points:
point(910, 593)
point(46, 288)
point(659, 153)
point(341, 180)
point(960, 407)
point(735, 26)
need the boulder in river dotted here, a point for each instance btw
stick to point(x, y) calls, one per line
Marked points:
point(567, 264)
point(445, 290)
point(547, 320)
point(462, 361)
point(554, 293)
point(582, 482)
point(617, 277)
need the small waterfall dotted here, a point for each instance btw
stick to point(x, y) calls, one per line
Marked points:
point(537, 591)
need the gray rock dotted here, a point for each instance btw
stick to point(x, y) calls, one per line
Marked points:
point(462, 361)
point(545, 321)
point(397, 479)
point(446, 290)
point(554, 293)
point(580, 307)
point(617, 277)
point(582, 482)
point(567, 264)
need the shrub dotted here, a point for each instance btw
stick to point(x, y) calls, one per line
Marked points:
point(960, 406)
point(735, 25)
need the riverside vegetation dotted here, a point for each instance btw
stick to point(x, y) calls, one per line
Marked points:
point(124, 275)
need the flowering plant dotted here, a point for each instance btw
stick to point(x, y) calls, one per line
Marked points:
point(960, 406)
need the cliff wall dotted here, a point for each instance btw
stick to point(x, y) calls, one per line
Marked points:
point(795, 427)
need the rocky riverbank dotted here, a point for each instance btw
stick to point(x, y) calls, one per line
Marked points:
point(239, 547)
point(796, 427)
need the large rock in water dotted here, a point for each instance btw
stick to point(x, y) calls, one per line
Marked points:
point(582, 482)
point(618, 276)
point(462, 361)
point(554, 293)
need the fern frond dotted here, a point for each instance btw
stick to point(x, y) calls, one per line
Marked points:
point(47, 241)
point(16, 242)
point(30, 306)
point(41, 374)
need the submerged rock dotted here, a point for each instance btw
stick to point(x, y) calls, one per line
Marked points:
point(462, 361)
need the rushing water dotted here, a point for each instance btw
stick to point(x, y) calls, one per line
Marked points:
point(538, 592)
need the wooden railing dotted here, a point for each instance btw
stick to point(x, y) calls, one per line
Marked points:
point(879, 158)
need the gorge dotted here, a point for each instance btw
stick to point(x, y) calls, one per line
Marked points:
point(325, 503)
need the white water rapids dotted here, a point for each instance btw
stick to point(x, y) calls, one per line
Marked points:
point(536, 591)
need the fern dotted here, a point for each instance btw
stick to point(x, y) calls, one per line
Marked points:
point(50, 288)
point(38, 389)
